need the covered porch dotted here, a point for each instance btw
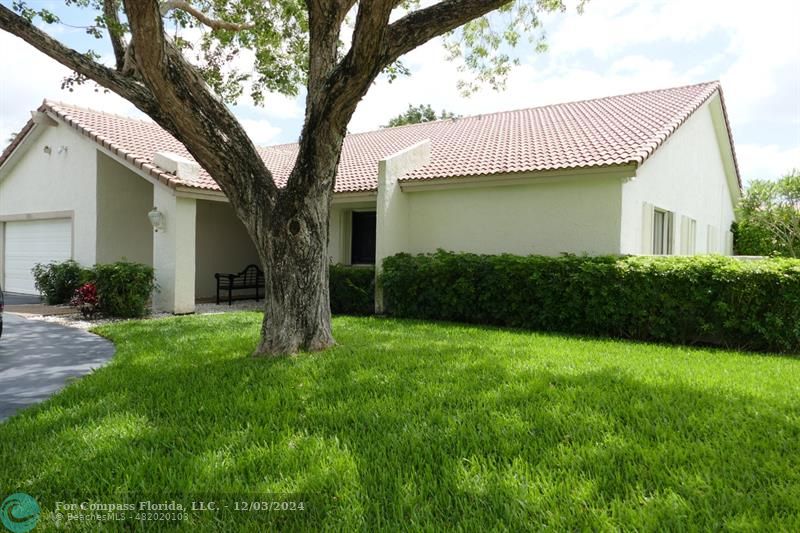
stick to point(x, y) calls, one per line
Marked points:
point(189, 234)
point(202, 236)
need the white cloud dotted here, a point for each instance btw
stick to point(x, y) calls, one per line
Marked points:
point(260, 131)
point(276, 106)
point(608, 28)
point(34, 77)
point(764, 52)
point(766, 161)
point(760, 41)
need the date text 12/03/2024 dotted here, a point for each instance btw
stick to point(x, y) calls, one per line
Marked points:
point(272, 505)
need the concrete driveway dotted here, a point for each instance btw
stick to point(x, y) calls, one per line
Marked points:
point(37, 358)
point(13, 298)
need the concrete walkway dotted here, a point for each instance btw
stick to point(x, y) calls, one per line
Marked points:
point(37, 358)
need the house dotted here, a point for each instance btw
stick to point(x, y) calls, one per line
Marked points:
point(645, 173)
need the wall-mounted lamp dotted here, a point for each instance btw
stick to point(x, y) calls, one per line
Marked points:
point(47, 149)
point(156, 219)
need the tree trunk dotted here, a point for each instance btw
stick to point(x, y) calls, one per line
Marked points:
point(294, 254)
point(292, 241)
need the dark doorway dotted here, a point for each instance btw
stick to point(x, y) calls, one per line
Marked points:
point(362, 244)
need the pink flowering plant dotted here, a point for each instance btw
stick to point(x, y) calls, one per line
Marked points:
point(86, 300)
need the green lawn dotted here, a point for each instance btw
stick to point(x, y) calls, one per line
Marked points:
point(419, 425)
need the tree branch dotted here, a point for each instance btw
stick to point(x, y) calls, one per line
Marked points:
point(126, 87)
point(110, 8)
point(198, 119)
point(369, 33)
point(325, 19)
point(422, 25)
point(214, 24)
point(334, 89)
point(346, 82)
point(377, 44)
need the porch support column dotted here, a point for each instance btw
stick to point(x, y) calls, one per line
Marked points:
point(391, 231)
point(174, 252)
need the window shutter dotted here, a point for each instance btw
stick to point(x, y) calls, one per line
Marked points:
point(711, 240)
point(647, 228)
point(687, 233)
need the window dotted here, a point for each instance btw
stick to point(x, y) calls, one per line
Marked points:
point(362, 238)
point(662, 232)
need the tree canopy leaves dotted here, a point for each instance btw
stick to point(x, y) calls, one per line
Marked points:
point(257, 47)
point(418, 114)
point(769, 217)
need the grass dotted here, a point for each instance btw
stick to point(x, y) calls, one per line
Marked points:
point(414, 425)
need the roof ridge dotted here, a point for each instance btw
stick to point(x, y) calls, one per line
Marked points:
point(50, 103)
point(715, 83)
point(478, 116)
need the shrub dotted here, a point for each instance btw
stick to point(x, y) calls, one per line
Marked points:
point(57, 282)
point(86, 300)
point(703, 299)
point(124, 288)
point(352, 290)
point(751, 239)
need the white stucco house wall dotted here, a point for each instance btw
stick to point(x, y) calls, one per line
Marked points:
point(643, 173)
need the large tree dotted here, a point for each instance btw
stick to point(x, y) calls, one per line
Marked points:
point(183, 85)
point(769, 217)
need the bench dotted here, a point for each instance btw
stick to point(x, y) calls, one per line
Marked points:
point(251, 277)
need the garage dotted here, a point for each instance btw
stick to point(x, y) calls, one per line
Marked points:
point(28, 242)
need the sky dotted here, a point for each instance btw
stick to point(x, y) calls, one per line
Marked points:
point(614, 47)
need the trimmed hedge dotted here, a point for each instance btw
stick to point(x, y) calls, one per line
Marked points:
point(124, 288)
point(352, 290)
point(57, 282)
point(704, 299)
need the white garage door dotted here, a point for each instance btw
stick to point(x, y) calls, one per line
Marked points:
point(34, 241)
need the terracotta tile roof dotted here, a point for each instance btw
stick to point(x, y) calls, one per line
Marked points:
point(615, 130)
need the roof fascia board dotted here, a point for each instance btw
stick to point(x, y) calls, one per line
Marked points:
point(197, 193)
point(339, 199)
point(725, 144)
point(21, 149)
point(347, 198)
point(43, 119)
point(622, 172)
